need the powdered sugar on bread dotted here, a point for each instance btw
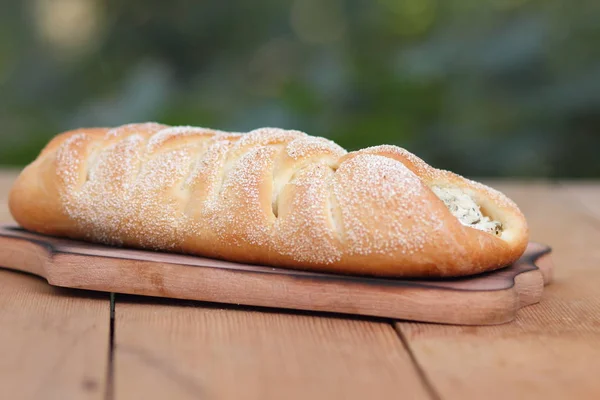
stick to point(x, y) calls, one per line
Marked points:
point(271, 196)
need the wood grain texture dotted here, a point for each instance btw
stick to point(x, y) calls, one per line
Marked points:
point(54, 343)
point(551, 350)
point(489, 298)
point(587, 194)
point(166, 349)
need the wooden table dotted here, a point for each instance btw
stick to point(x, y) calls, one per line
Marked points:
point(66, 344)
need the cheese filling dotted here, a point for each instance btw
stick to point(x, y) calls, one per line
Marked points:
point(464, 208)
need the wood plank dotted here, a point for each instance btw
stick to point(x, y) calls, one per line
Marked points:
point(587, 193)
point(168, 349)
point(552, 349)
point(54, 343)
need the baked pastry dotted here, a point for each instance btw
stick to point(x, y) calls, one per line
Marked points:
point(272, 197)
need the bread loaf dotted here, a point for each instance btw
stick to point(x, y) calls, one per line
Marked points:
point(270, 196)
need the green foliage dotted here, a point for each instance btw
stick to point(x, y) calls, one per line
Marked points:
point(496, 88)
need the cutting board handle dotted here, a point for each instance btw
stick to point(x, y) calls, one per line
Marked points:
point(26, 256)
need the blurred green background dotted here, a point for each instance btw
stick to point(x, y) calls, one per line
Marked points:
point(485, 88)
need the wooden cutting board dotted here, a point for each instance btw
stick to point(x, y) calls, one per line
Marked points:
point(485, 299)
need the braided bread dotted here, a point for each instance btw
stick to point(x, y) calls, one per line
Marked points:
point(272, 197)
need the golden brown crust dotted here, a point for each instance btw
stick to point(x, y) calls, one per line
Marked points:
point(271, 196)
